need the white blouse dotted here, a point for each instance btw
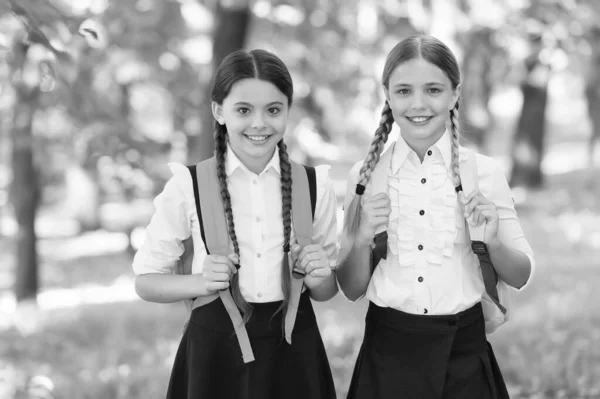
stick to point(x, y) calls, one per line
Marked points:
point(256, 205)
point(430, 267)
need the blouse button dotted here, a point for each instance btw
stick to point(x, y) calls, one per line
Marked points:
point(420, 279)
point(420, 248)
point(259, 295)
point(429, 153)
point(425, 311)
point(254, 181)
point(423, 181)
point(258, 255)
point(258, 219)
point(421, 212)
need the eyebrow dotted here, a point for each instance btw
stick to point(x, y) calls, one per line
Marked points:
point(250, 105)
point(426, 84)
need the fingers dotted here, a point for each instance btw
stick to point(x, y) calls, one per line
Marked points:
point(316, 259)
point(378, 198)
point(473, 200)
point(218, 268)
point(212, 286)
point(320, 272)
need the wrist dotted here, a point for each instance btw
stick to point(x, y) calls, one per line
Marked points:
point(363, 240)
point(200, 285)
point(493, 244)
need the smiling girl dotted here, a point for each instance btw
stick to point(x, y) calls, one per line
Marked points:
point(407, 247)
point(251, 97)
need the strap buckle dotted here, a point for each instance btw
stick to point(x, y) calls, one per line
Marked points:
point(479, 248)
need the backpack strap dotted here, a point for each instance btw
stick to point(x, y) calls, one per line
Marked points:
point(312, 186)
point(302, 217)
point(379, 184)
point(192, 169)
point(469, 183)
point(211, 216)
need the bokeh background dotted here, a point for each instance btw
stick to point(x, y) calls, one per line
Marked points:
point(96, 96)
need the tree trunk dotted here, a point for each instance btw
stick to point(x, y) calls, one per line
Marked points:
point(233, 19)
point(528, 143)
point(25, 194)
point(475, 116)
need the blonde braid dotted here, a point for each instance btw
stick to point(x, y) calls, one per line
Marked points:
point(352, 217)
point(455, 135)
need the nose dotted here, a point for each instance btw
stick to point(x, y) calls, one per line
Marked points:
point(417, 101)
point(258, 121)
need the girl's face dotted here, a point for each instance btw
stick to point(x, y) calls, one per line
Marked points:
point(420, 96)
point(255, 113)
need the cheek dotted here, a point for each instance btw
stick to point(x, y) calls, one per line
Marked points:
point(279, 123)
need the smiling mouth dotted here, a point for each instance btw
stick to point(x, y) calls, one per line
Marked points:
point(419, 119)
point(257, 138)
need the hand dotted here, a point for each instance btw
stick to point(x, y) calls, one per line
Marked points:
point(482, 211)
point(312, 260)
point(218, 270)
point(375, 213)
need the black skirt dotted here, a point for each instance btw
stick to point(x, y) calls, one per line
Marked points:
point(432, 357)
point(208, 363)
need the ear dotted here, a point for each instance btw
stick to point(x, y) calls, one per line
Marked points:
point(455, 97)
point(217, 111)
point(387, 94)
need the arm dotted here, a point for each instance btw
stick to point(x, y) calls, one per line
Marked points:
point(155, 262)
point(355, 266)
point(512, 266)
point(169, 288)
point(508, 248)
point(352, 274)
point(321, 284)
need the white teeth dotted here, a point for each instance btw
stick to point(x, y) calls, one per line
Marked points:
point(258, 138)
point(419, 118)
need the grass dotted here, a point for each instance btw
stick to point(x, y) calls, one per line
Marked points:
point(550, 349)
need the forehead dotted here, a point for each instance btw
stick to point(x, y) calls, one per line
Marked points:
point(256, 92)
point(418, 72)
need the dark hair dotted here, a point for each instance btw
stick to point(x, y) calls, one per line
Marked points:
point(431, 50)
point(255, 64)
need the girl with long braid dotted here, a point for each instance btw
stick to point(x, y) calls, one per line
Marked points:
point(406, 244)
point(251, 97)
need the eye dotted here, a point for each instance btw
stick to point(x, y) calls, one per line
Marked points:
point(435, 90)
point(403, 92)
point(274, 110)
point(244, 110)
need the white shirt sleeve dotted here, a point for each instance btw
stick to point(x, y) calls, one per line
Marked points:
point(169, 226)
point(325, 221)
point(509, 228)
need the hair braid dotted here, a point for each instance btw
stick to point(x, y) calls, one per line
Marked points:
point(286, 215)
point(352, 217)
point(220, 154)
point(455, 136)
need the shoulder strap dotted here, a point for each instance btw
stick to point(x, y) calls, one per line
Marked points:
point(312, 186)
point(379, 184)
point(217, 242)
point(192, 169)
point(469, 179)
point(302, 200)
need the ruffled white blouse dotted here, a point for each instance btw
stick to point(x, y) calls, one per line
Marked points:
point(430, 267)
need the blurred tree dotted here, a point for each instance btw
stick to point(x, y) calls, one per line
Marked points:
point(233, 20)
point(550, 28)
point(31, 73)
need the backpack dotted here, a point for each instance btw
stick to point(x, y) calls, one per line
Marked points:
point(211, 216)
point(495, 300)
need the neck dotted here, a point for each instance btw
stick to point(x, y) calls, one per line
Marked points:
point(421, 145)
point(255, 165)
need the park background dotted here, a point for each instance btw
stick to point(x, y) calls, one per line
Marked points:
point(96, 96)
